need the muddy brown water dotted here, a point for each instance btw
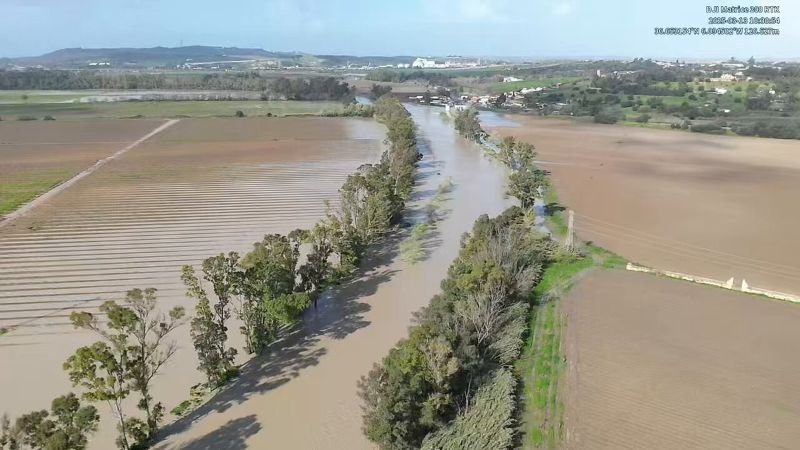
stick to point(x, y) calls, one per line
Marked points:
point(207, 186)
point(200, 188)
point(712, 206)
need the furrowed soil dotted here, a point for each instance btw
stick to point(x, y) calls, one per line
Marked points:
point(713, 206)
point(661, 364)
point(201, 187)
point(35, 156)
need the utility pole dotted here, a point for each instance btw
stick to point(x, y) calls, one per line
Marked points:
point(569, 242)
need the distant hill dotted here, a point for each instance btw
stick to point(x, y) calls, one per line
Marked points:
point(163, 57)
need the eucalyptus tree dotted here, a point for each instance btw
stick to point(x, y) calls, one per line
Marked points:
point(209, 329)
point(269, 272)
point(134, 347)
point(65, 427)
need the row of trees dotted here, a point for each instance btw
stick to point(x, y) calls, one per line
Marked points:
point(450, 384)
point(268, 288)
point(433, 78)
point(313, 88)
point(35, 79)
point(265, 290)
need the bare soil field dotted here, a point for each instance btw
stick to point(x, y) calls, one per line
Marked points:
point(35, 156)
point(200, 187)
point(662, 364)
point(714, 206)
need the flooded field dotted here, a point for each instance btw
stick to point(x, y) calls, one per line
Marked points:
point(714, 206)
point(661, 364)
point(303, 395)
point(35, 156)
point(201, 187)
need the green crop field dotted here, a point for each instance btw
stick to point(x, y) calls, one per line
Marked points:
point(36, 97)
point(17, 191)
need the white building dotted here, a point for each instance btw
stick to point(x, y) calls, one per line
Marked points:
point(511, 79)
point(424, 63)
point(720, 91)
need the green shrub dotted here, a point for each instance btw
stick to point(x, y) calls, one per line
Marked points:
point(606, 117)
point(779, 129)
point(471, 330)
point(709, 128)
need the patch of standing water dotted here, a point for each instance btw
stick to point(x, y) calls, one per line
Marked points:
point(492, 119)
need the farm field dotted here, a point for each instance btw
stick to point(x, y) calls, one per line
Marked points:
point(201, 187)
point(658, 363)
point(497, 88)
point(35, 156)
point(316, 370)
point(713, 206)
point(161, 109)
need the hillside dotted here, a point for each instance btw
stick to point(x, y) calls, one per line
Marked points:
point(75, 58)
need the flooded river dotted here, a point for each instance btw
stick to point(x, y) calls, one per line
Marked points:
point(127, 233)
point(304, 394)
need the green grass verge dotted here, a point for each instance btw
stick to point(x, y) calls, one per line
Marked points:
point(555, 220)
point(28, 97)
point(543, 362)
point(162, 109)
point(15, 194)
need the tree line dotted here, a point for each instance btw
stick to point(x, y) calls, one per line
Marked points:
point(268, 289)
point(434, 78)
point(450, 384)
point(312, 88)
point(265, 290)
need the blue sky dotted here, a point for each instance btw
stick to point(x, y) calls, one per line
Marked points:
point(528, 28)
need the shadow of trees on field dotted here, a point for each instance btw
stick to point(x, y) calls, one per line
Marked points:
point(231, 436)
point(340, 311)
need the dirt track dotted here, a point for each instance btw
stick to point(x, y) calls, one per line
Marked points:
point(714, 206)
point(19, 212)
point(35, 156)
point(657, 363)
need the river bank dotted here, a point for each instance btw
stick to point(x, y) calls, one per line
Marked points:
point(304, 393)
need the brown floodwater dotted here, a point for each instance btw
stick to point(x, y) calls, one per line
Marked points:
point(206, 186)
point(304, 393)
point(200, 188)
